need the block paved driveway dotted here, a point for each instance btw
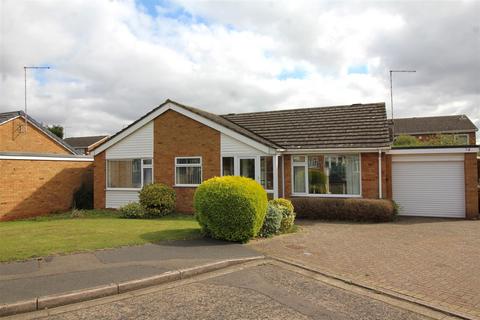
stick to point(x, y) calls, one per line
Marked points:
point(435, 260)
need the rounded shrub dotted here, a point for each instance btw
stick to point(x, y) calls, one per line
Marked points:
point(132, 210)
point(230, 208)
point(158, 199)
point(272, 222)
point(288, 215)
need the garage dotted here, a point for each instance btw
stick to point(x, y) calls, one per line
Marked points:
point(429, 185)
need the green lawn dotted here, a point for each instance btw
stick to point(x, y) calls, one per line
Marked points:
point(94, 229)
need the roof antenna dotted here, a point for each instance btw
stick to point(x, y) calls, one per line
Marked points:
point(25, 68)
point(391, 93)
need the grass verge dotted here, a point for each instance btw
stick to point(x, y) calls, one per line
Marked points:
point(87, 230)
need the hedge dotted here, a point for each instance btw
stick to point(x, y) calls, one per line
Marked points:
point(372, 210)
point(230, 208)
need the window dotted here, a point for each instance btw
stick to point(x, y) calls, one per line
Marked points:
point(326, 174)
point(188, 171)
point(461, 139)
point(247, 168)
point(228, 166)
point(266, 172)
point(130, 173)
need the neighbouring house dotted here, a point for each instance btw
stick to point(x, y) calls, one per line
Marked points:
point(327, 152)
point(83, 145)
point(425, 128)
point(39, 171)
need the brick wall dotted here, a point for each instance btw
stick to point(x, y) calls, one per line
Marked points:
point(369, 175)
point(99, 172)
point(471, 184)
point(34, 140)
point(178, 136)
point(30, 188)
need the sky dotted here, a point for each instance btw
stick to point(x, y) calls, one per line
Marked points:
point(113, 61)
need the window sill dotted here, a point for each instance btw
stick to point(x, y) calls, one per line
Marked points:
point(186, 185)
point(326, 195)
point(123, 189)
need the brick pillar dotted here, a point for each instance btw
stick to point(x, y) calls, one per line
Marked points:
point(471, 186)
point(99, 177)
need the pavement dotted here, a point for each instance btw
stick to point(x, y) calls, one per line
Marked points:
point(433, 261)
point(255, 291)
point(64, 273)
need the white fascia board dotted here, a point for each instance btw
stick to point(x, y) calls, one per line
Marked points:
point(339, 150)
point(189, 114)
point(40, 158)
point(434, 150)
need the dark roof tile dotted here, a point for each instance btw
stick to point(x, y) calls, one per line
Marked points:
point(441, 124)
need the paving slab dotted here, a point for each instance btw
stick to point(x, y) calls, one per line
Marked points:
point(64, 273)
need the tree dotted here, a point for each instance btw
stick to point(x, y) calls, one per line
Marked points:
point(57, 130)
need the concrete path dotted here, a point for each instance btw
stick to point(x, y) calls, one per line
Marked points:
point(58, 274)
point(254, 291)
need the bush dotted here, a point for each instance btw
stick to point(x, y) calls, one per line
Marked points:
point(83, 196)
point(272, 222)
point(133, 210)
point(288, 216)
point(230, 208)
point(158, 199)
point(345, 209)
point(405, 140)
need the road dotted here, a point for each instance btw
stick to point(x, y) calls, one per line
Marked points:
point(267, 291)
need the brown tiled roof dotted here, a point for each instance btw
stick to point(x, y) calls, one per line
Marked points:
point(228, 124)
point(352, 126)
point(441, 124)
point(83, 142)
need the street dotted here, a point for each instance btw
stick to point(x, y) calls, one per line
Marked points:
point(262, 291)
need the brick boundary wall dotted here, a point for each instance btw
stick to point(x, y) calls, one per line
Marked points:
point(37, 187)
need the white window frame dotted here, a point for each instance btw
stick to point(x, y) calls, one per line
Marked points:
point(188, 165)
point(141, 173)
point(325, 195)
point(236, 167)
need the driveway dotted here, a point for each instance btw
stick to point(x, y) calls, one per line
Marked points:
point(434, 260)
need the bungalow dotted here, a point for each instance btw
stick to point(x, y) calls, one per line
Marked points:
point(340, 152)
point(424, 128)
point(83, 145)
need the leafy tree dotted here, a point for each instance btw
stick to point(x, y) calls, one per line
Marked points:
point(57, 130)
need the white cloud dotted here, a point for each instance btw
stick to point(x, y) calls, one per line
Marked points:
point(112, 62)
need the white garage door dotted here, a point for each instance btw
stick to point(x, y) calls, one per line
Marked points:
point(425, 186)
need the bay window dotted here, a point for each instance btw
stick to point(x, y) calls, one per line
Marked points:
point(129, 173)
point(334, 174)
point(188, 171)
